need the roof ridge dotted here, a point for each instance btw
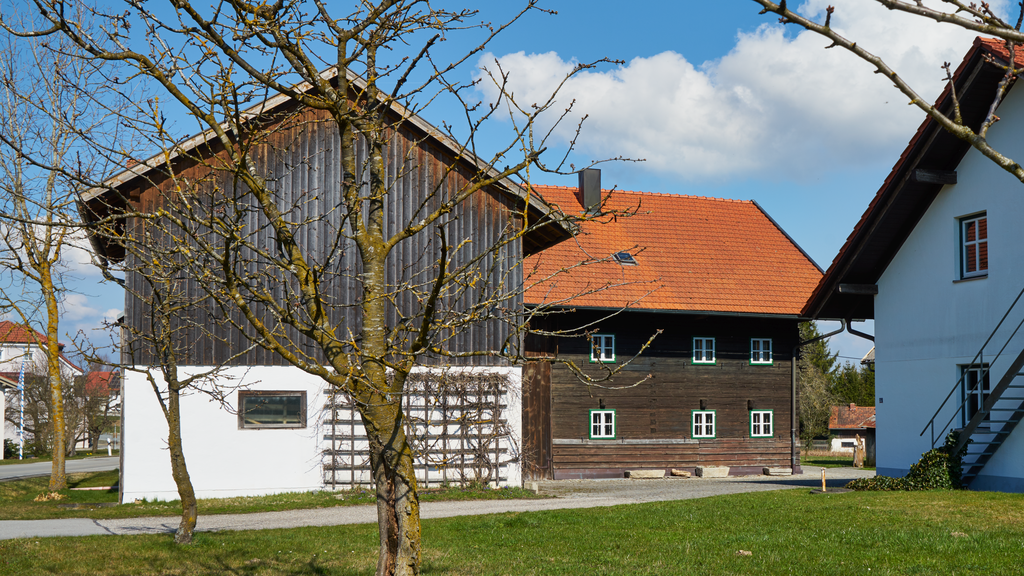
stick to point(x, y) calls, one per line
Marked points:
point(645, 193)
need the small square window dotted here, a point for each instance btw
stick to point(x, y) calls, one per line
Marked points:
point(761, 424)
point(974, 246)
point(271, 409)
point(703, 423)
point(602, 424)
point(602, 348)
point(760, 350)
point(703, 350)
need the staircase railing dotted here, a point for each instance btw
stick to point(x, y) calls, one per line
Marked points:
point(994, 394)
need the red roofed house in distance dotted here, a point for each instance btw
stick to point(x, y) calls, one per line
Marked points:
point(722, 282)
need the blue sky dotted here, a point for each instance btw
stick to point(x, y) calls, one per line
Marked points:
point(719, 100)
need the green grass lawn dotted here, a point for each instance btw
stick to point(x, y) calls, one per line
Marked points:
point(786, 532)
point(829, 461)
point(17, 500)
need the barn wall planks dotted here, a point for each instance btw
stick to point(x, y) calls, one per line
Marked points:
point(299, 154)
point(654, 395)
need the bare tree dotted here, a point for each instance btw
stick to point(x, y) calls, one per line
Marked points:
point(48, 108)
point(978, 17)
point(354, 278)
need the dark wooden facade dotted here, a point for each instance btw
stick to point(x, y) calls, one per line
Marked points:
point(653, 418)
point(298, 151)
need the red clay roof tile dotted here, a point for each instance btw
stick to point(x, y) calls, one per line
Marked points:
point(693, 253)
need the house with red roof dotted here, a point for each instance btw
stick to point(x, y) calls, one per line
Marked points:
point(21, 347)
point(848, 422)
point(937, 260)
point(662, 337)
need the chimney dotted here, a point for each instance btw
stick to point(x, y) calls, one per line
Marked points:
point(589, 191)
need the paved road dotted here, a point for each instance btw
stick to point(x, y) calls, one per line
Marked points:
point(36, 469)
point(571, 494)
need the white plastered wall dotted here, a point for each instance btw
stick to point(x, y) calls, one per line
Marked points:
point(224, 461)
point(927, 323)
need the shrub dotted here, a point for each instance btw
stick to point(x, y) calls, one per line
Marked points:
point(938, 468)
point(10, 449)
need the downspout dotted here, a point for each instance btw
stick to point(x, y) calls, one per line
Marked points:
point(849, 328)
point(793, 419)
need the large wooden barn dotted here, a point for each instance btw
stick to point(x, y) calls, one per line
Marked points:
point(717, 283)
point(318, 439)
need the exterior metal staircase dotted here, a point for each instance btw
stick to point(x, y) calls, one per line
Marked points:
point(993, 414)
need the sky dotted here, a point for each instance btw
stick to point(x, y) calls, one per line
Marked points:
point(716, 99)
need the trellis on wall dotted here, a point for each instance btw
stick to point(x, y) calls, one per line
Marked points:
point(456, 421)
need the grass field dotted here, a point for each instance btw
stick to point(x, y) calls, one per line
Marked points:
point(785, 532)
point(827, 459)
point(17, 500)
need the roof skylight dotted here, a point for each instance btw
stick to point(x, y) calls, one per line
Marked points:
point(625, 258)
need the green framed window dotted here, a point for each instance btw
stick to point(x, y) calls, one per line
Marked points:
point(602, 424)
point(761, 351)
point(271, 409)
point(762, 423)
point(704, 422)
point(602, 348)
point(703, 350)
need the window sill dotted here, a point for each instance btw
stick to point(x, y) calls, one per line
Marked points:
point(762, 363)
point(703, 363)
point(970, 279)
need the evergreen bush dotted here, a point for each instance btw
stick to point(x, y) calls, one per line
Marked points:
point(937, 469)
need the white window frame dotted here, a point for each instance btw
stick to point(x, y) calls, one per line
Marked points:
point(703, 348)
point(972, 393)
point(976, 245)
point(759, 355)
point(707, 429)
point(758, 427)
point(602, 348)
point(602, 424)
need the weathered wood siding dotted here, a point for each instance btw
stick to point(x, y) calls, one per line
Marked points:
point(653, 417)
point(299, 154)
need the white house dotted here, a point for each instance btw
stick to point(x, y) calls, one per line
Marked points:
point(21, 348)
point(938, 260)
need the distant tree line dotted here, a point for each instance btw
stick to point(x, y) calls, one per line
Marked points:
point(824, 382)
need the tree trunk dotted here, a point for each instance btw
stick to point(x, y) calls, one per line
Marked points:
point(58, 477)
point(189, 508)
point(398, 505)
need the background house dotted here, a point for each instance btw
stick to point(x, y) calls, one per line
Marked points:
point(21, 347)
point(846, 423)
point(937, 260)
point(717, 284)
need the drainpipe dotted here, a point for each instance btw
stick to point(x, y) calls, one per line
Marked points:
point(793, 419)
point(849, 328)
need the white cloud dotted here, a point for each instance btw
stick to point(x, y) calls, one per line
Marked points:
point(111, 315)
point(772, 104)
point(76, 307)
point(77, 256)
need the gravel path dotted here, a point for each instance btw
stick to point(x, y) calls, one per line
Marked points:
point(569, 494)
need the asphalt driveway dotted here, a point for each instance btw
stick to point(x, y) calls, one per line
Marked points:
point(34, 469)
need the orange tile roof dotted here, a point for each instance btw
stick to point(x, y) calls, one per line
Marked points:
point(693, 254)
point(851, 416)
